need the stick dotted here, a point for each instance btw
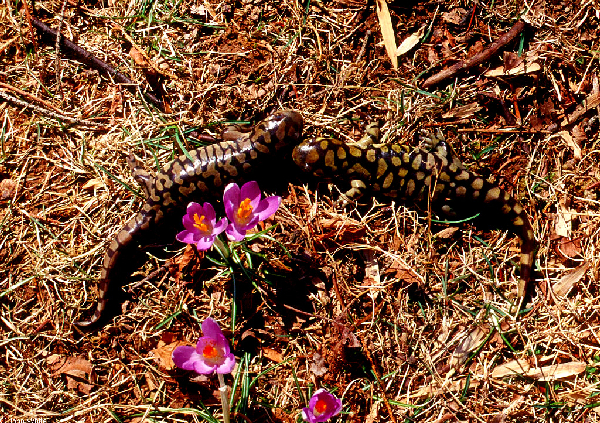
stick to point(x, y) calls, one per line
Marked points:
point(48, 35)
point(479, 58)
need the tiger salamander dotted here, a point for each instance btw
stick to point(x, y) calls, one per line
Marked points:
point(414, 175)
point(183, 180)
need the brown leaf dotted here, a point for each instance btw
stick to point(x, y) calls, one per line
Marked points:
point(543, 374)
point(76, 370)
point(163, 353)
point(93, 184)
point(387, 31)
point(569, 248)
point(7, 188)
point(564, 284)
point(272, 355)
point(410, 42)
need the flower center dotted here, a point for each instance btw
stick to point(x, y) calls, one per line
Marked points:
point(210, 351)
point(199, 222)
point(245, 210)
point(320, 407)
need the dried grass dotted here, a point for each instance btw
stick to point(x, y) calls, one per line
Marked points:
point(372, 289)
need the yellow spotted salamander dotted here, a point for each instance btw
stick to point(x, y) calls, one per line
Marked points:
point(201, 179)
point(396, 172)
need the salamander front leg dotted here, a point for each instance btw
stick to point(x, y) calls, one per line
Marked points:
point(144, 178)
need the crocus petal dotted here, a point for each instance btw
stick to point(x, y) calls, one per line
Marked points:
point(220, 226)
point(203, 368)
point(205, 243)
point(211, 329)
point(209, 213)
point(267, 207)
point(186, 236)
point(234, 234)
point(307, 415)
point(251, 191)
point(251, 224)
point(185, 357)
point(228, 364)
point(231, 199)
point(332, 407)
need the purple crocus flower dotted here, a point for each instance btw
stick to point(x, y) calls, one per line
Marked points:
point(212, 353)
point(245, 209)
point(321, 407)
point(201, 226)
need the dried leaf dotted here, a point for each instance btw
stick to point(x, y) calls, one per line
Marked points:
point(543, 374)
point(564, 285)
point(76, 370)
point(524, 68)
point(562, 222)
point(411, 41)
point(449, 386)
point(471, 341)
point(513, 367)
point(557, 371)
point(93, 184)
point(463, 112)
point(272, 355)
point(318, 366)
point(387, 31)
point(372, 274)
point(163, 353)
point(7, 188)
point(446, 233)
point(566, 135)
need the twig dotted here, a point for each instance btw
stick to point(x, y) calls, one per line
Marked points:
point(58, 116)
point(32, 97)
point(378, 379)
point(478, 58)
point(57, 48)
point(48, 35)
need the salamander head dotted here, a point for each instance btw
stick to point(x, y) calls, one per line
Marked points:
point(323, 157)
point(279, 130)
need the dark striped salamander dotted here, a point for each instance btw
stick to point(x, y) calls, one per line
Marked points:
point(396, 172)
point(201, 179)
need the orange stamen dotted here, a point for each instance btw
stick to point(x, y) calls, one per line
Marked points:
point(209, 351)
point(199, 223)
point(245, 209)
point(320, 407)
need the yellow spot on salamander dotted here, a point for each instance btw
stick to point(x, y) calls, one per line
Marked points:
point(330, 159)
point(312, 156)
point(381, 167)
point(410, 187)
point(416, 163)
point(356, 152)
point(492, 194)
point(462, 176)
point(341, 153)
point(477, 184)
point(371, 155)
point(517, 208)
point(388, 180)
